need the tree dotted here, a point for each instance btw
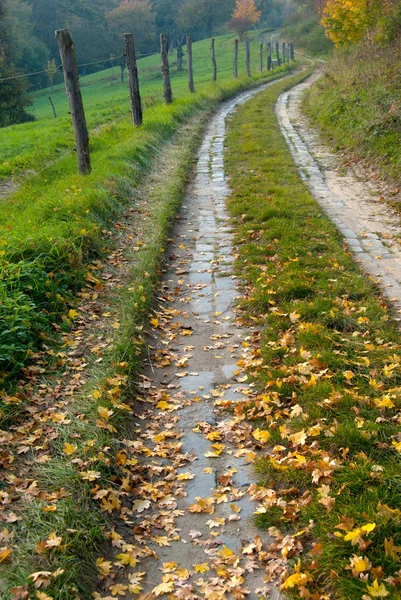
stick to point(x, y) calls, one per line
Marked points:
point(51, 70)
point(245, 16)
point(13, 96)
point(203, 17)
point(133, 16)
point(349, 21)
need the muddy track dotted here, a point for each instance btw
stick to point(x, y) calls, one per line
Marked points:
point(370, 227)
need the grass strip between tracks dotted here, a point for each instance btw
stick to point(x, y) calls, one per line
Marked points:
point(328, 366)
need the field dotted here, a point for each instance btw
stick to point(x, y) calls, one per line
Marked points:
point(53, 225)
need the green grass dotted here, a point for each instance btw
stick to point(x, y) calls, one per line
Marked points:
point(32, 146)
point(357, 105)
point(320, 318)
point(309, 36)
point(53, 225)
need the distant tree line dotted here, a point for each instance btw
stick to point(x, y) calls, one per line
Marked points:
point(27, 27)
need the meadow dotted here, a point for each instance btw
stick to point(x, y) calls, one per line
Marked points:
point(54, 224)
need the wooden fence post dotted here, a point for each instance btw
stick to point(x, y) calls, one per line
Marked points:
point(214, 64)
point(133, 82)
point(190, 65)
point(261, 58)
point(293, 50)
point(52, 105)
point(269, 56)
point(278, 54)
point(168, 94)
point(180, 56)
point(236, 51)
point(284, 53)
point(248, 57)
point(73, 90)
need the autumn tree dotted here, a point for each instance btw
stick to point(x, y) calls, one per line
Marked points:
point(245, 16)
point(349, 21)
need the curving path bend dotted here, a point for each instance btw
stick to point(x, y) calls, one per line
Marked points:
point(371, 228)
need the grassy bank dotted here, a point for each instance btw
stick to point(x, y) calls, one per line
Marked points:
point(357, 105)
point(328, 367)
point(54, 224)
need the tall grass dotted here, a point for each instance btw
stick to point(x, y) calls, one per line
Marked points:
point(357, 104)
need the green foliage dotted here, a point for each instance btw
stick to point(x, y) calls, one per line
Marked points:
point(304, 29)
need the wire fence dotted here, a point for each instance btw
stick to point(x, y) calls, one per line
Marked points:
point(106, 84)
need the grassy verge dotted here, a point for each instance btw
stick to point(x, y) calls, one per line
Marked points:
point(356, 104)
point(54, 224)
point(328, 366)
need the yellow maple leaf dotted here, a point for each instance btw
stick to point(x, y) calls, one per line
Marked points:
point(126, 559)
point(384, 402)
point(185, 476)
point(261, 435)
point(201, 568)
point(165, 406)
point(72, 314)
point(163, 588)
point(297, 579)
point(69, 449)
point(225, 552)
point(348, 375)
point(96, 394)
point(4, 554)
point(116, 325)
point(378, 591)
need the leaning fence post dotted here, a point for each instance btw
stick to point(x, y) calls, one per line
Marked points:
point(168, 94)
point(52, 105)
point(135, 96)
point(73, 90)
point(190, 65)
point(269, 56)
point(278, 54)
point(236, 49)
point(248, 57)
point(214, 64)
point(261, 58)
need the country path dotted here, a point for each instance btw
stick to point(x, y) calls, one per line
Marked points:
point(353, 202)
point(191, 527)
